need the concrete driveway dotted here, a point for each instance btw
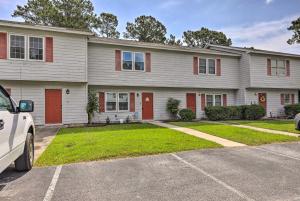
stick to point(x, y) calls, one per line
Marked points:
point(270, 172)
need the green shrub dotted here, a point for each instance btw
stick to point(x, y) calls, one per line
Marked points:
point(253, 112)
point(187, 115)
point(173, 106)
point(247, 112)
point(292, 110)
point(217, 113)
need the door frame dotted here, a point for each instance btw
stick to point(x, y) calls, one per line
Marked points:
point(61, 109)
point(266, 99)
point(195, 100)
point(143, 93)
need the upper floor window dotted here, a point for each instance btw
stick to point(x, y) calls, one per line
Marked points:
point(207, 66)
point(17, 47)
point(213, 100)
point(278, 67)
point(36, 48)
point(133, 61)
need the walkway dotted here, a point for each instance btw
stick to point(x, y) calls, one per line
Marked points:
point(221, 141)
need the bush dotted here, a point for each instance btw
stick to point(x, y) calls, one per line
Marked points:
point(172, 106)
point(253, 112)
point(217, 113)
point(292, 110)
point(247, 112)
point(187, 115)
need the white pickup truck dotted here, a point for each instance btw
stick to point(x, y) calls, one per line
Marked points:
point(16, 133)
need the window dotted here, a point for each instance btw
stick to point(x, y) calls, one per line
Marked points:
point(36, 48)
point(218, 100)
point(5, 104)
point(287, 99)
point(207, 66)
point(213, 100)
point(135, 59)
point(278, 67)
point(127, 60)
point(209, 100)
point(123, 102)
point(117, 102)
point(202, 66)
point(17, 47)
point(111, 102)
point(211, 66)
point(139, 61)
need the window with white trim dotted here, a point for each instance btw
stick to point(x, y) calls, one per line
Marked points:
point(133, 61)
point(287, 99)
point(207, 66)
point(111, 102)
point(123, 102)
point(17, 47)
point(214, 100)
point(278, 67)
point(117, 102)
point(36, 48)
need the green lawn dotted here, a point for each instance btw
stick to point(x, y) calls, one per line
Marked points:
point(281, 125)
point(242, 135)
point(113, 141)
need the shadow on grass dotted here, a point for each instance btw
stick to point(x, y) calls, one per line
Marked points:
point(110, 127)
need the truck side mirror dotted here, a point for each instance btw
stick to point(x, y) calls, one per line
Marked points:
point(26, 106)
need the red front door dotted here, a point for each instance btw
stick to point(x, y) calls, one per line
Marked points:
point(53, 106)
point(147, 106)
point(191, 101)
point(262, 99)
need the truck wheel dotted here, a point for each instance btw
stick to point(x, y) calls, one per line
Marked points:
point(25, 161)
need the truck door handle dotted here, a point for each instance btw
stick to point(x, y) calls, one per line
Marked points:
point(1, 124)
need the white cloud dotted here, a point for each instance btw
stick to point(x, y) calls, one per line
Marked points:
point(269, 1)
point(270, 35)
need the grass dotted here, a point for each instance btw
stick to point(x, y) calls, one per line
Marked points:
point(114, 141)
point(242, 135)
point(280, 125)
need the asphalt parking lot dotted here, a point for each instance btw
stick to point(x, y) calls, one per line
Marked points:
point(270, 172)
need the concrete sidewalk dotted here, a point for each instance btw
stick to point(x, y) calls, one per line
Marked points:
point(221, 141)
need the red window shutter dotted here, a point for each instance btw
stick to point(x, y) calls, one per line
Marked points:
point(49, 49)
point(218, 67)
point(118, 60)
point(3, 45)
point(202, 102)
point(225, 100)
point(132, 102)
point(288, 71)
point(101, 102)
point(195, 66)
point(148, 62)
point(293, 98)
point(269, 70)
point(282, 99)
point(8, 91)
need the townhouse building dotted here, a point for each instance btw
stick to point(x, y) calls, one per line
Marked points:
point(55, 67)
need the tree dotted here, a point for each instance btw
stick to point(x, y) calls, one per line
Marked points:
point(92, 105)
point(295, 27)
point(205, 36)
point(107, 25)
point(146, 29)
point(173, 107)
point(77, 14)
point(172, 41)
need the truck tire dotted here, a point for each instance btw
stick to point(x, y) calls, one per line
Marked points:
point(25, 161)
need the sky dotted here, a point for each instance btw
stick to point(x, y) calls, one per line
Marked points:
point(260, 24)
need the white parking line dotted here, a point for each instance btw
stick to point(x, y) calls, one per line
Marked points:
point(277, 153)
point(51, 188)
point(242, 195)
